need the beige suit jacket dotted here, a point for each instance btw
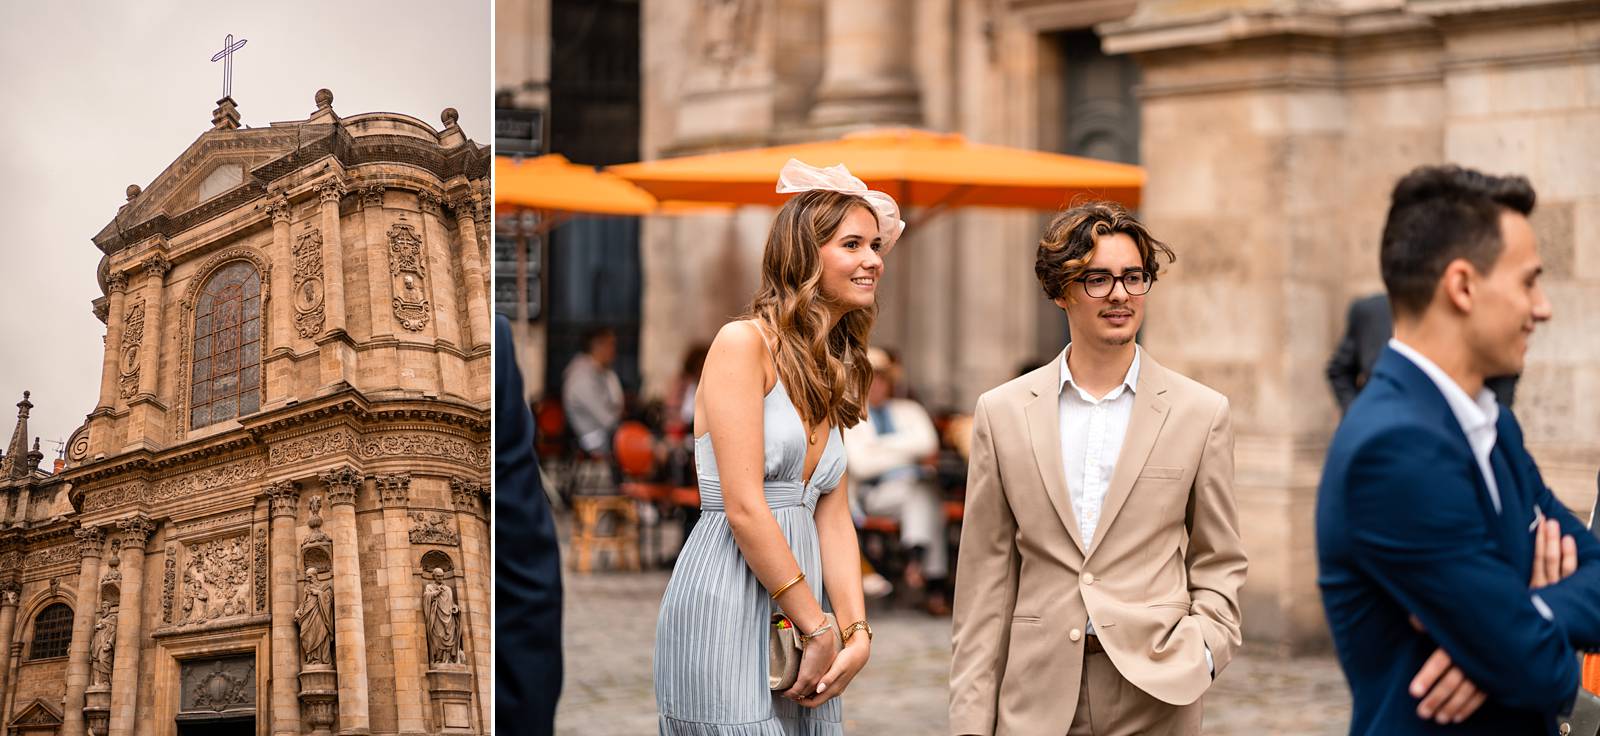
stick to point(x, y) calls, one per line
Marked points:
point(1161, 581)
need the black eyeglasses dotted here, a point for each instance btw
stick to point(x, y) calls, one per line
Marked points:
point(1099, 284)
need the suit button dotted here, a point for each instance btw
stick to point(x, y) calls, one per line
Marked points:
point(1088, 578)
point(1074, 634)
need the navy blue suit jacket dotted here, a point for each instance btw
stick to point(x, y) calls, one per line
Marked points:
point(1405, 525)
point(527, 568)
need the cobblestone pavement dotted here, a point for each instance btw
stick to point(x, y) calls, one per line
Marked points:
point(610, 626)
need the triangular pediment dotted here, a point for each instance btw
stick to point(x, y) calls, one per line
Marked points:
point(217, 162)
point(38, 713)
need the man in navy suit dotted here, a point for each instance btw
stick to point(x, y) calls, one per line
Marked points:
point(527, 568)
point(1456, 585)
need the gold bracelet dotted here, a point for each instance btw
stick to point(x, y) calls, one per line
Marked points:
point(806, 638)
point(851, 630)
point(788, 585)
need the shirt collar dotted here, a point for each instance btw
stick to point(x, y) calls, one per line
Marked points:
point(1472, 413)
point(1130, 381)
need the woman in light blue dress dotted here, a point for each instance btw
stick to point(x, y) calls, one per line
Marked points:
point(776, 534)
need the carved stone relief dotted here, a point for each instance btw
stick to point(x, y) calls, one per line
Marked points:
point(261, 570)
point(219, 685)
point(432, 527)
point(132, 337)
point(308, 284)
point(407, 272)
point(386, 445)
point(216, 580)
point(169, 583)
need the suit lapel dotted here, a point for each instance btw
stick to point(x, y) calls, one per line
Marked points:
point(1044, 430)
point(1150, 409)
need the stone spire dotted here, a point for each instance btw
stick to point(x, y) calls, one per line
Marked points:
point(15, 463)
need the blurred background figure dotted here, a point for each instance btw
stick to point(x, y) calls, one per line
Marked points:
point(1368, 327)
point(890, 464)
point(679, 415)
point(527, 564)
point(591, 393)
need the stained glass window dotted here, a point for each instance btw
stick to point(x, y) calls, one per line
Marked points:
point(226, 370)
point(52, 632)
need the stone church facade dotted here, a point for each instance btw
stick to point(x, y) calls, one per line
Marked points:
point(275, 519)
point(1271, 132)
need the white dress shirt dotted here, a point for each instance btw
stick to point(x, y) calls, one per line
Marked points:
point(1477, 417)
point(1092, 430)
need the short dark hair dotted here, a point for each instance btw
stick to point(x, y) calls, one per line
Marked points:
point(1068, 244)
point(594, 335)
point(1438, 214)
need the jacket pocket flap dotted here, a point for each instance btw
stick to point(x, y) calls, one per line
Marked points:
point(1161, 472)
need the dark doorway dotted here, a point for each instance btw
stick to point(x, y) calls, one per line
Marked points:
point(1099, 118)
point(234, 726)
point(593, 269)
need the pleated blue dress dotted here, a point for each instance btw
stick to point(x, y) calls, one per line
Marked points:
point(711, 636)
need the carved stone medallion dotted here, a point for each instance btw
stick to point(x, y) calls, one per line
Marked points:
point(408, 273)
point(308, 288)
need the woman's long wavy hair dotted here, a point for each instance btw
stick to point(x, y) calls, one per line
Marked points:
point(825, 373)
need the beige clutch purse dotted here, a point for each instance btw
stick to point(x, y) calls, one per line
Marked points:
point(784, 650)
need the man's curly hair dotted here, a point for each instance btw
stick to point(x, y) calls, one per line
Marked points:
point(1068, 244)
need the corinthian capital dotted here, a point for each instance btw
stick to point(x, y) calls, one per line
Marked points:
point(90, 541)
point(117, 281)
point(343, 483)
point(331, 190)
point(394, 490)
point(284, 497)
point(467, 495)
point(279, 209)
point(136, 530)
point(157, 267)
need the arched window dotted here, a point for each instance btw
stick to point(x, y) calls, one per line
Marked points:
point(52, 632)
point(227, 346)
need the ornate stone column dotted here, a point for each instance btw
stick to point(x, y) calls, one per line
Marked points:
point(11, 695)
point(470, 499)
point(117, 284)
point(8, 621)
point(281, 212)
point(154, 293)
point(329, 193)
point(867, 73)
point(349, 624)
point(136, 533)
point(410, 659)
point(463, 205)
point(284, 498)
point(89, 543)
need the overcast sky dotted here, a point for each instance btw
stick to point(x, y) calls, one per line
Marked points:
point(100, 95)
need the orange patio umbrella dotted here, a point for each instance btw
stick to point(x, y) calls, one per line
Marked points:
point(918, 168)
point(559, 189)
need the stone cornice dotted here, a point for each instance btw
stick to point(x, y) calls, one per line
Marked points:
point(1149, 32)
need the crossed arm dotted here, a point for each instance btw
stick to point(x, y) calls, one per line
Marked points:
point(1426, 560)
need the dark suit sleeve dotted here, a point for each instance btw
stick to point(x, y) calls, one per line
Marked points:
point(1419, 531)
point(1345, 365)
point(1575, 601)
point(527, 584)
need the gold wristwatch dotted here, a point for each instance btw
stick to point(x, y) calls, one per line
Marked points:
point(851, 630)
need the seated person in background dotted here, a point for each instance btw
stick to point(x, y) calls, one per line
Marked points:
point(591, 393)
point(885, 455)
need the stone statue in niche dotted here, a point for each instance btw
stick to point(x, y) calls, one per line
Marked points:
point(103, 646)
point(315, 617)
point(443, 618)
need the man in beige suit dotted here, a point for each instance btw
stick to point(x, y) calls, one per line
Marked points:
point(1100, 563)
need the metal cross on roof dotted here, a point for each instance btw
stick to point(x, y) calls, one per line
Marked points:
point(226, 57)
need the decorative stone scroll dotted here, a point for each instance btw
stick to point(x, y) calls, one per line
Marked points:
point(169, 583)
point(132, 338)
point(262, 565)
point(216, 580)
point(432, 527)
point(408, 272)
point(309, 316)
